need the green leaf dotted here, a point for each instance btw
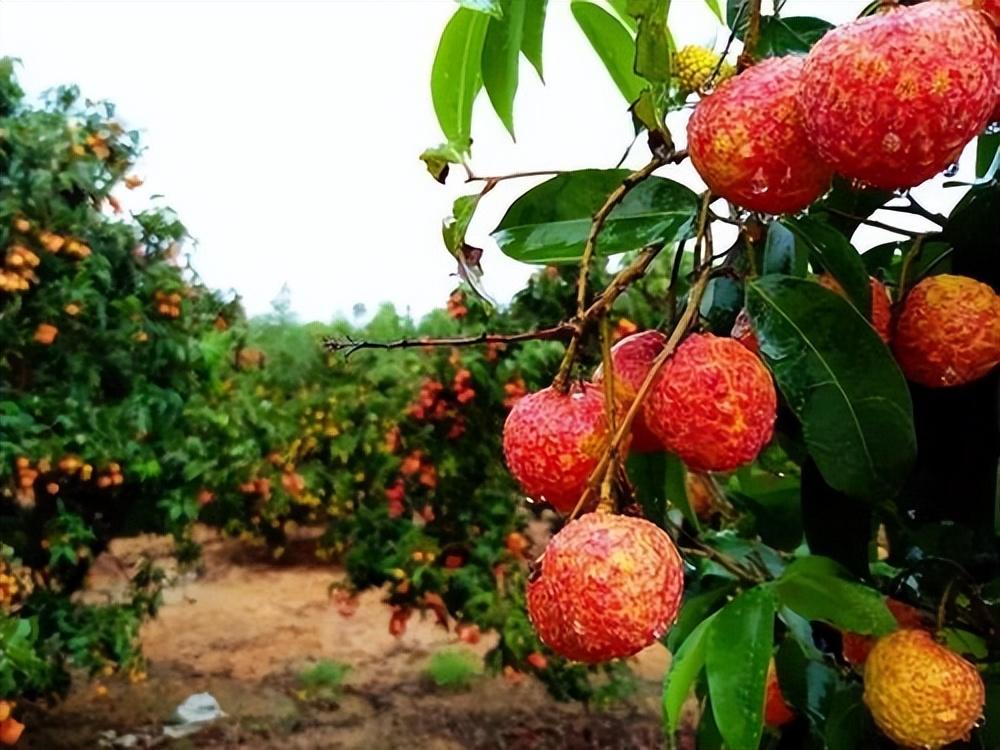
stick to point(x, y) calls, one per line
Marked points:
point(456, 225)
point(739, 650)
point(437, 158)
point(972, 225)
point(501, 57)
point(987, 155)
point(738, 16)
point(550, 223)
point(490, 7)
point(612, 43)
point(676, 474)
point(819, 589)
point(654, 46)
point(789, 36)
point(455, 76)
point(838, 257)
point(534, 30)
point(659, 479)
point(685, 666)
point(781, 254)
point(844, 198)
point(840, 381)
point(775, 504)
point(697, 607)
point(848, 725)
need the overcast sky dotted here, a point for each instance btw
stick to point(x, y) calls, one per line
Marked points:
point(286, 134)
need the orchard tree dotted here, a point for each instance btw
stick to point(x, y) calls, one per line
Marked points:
point(791, 481)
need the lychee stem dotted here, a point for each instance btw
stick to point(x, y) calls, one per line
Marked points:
point(606, 502)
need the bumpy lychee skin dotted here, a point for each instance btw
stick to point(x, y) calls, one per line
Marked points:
point(748, 142)
point(606, 587)
point(552, 441)
point(921, 694)
point(631, 359)
point(880, 315)
point(948, 332)
point(713, 404)
point(893, 98)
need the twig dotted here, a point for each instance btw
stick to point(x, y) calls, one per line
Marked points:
point(752, 37)
point(873, 223)
point(942, 610)
point(514, 175)
point(610, 406)
point(350, 346)
point(914, 208)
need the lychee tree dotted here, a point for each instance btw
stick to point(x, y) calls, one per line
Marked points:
point(827, 415)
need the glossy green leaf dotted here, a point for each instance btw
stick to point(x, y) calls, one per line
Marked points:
point(455, 76)
point(659, 480)
point(807, 684)
point(684, 668)
point(794, 35)
point(490, 7)
point(774, 502)
point(840, 381)
point(987, 155)
point(781, 253)
point(740, 643)
point(837, 256)
point(848, 724)
point(696, 609)
point(738, 16)
point(612, 43)
point(654, 46)
point(721, 303)
point(501, 58)
point(550, 223)
point(819, 589)
point(972, 228)
point(845, 206)
point(534, 31)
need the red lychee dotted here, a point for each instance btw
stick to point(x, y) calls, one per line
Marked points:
point(777, 712)
point(748, 143)
point(552, 441)
point(948, 332)
point(892, 99)
point(606, 587)
point(631, 359)
point(713, 404)
point(881, 306)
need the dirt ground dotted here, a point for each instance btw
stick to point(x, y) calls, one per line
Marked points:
point(246, 628)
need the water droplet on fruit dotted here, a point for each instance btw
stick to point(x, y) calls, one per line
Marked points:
point(993, 128)
point(758, 183)
point(951, 170)
point(891, 143)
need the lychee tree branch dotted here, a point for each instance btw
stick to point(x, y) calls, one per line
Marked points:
point(752, 37)
point(610, 408)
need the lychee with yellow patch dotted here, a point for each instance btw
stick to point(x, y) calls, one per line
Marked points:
point(713, 404)
point(948, 332)
point(553, 440)
point(748, 142)
point(631, 359)
point(892, 99)
point(606, 587)
point(921, 694)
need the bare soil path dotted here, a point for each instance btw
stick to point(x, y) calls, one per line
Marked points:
point(246, 628)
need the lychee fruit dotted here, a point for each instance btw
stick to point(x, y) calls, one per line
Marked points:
point(700, 494)
point(606, 587)
point(880, 315)
point(631, 359)
point(748, 143)
point(694, 67)
point(920, 693)
point(553, 440)
point(777, 712)
point(892, 99)
point(713, 404)
point(948, 332)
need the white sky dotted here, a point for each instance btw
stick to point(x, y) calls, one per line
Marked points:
point(286, 134)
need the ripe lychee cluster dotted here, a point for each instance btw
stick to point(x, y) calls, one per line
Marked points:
point(713, 404)
point(888, 100)
point(10, 728)
point(167, 304)
point(606, 587)
point(948, 332)
point(920, 693)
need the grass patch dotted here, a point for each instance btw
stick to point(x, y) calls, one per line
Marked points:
point(454, 669)
point(323, 680)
